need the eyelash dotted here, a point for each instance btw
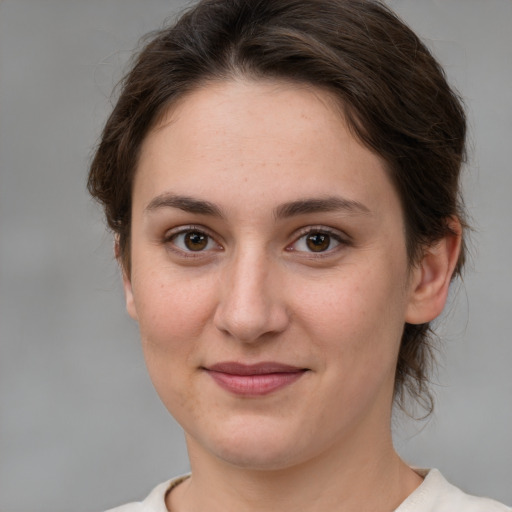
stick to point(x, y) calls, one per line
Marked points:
point(320, 230)
point(170, 240)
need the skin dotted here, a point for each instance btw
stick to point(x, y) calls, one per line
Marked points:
point(226, 163)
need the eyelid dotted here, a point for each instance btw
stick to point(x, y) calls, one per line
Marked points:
point(342, 238)
point(339, 236)
point(174, 232)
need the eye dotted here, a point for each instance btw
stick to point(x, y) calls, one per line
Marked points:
point(317, 241)
point(192, 240)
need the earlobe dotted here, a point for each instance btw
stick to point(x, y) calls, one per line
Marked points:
point(431, 278)
point(127, 283)
point(128, 294)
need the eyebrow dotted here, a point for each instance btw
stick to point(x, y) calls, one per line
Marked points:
point(314, 205)
point(185, 203)
point(286, 210)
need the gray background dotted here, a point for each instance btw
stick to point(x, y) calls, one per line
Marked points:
point(81, 428)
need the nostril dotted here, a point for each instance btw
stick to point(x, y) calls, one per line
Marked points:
point(250, 322)
point(250, 305)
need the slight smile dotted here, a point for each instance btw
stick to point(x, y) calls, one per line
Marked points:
point(254, 379)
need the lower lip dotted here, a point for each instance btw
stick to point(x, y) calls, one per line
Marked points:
point(254, 385)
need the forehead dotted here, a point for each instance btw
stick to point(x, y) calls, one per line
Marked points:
point(256, 136)
point(247, 108)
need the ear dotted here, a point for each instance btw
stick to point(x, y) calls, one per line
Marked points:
point(127, 282)
point(430, 280)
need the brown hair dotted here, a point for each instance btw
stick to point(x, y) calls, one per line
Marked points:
point(393, 93)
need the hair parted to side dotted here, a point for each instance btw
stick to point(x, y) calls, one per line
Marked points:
point(392, 92)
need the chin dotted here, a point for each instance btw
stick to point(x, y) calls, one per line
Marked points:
point(257, 457)
point(260, 446)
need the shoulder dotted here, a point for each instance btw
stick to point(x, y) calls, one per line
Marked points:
point(155, 501)
point(436, 494)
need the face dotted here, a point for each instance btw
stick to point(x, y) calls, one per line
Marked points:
point(269, 274)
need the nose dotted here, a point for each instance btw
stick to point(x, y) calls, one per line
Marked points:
point(251, 305)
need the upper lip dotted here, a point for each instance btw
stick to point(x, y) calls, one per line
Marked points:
point(234, 368)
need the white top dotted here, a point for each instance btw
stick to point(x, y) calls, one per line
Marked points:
point(435, 494)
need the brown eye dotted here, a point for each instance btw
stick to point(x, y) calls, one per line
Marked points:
point(195, 241)
point(318, 242)
point(192, 240)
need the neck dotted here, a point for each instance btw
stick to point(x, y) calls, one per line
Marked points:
point(345, 479)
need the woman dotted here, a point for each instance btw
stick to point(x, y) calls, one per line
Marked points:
point(282, 178)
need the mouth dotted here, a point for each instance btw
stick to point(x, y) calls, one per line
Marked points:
point(254, 379)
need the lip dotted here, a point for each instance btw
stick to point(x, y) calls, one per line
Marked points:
point(254, 379)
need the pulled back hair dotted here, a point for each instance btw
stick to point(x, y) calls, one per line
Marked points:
point(393, 94)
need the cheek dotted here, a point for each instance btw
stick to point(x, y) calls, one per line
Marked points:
point(357, 316)
point(172, 310)
point(173, 315)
